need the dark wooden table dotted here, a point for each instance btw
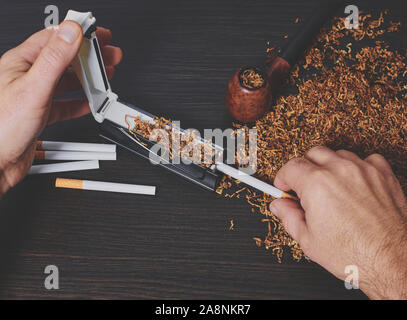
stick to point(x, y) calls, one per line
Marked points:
point(178, 57)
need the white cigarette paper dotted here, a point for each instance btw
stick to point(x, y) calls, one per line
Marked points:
point(74, 155)
point(249, 180)
point(104, 186)
point(64, 166)
point(75, 146)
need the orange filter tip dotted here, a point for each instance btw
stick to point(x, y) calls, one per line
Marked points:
point(69, 183)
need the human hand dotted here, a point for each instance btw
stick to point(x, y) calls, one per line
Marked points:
point(30, 76)
point(352, 212)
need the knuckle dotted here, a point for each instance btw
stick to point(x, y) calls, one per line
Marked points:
point(350, 167)
point(316, 149)
point(342, 151)
point(349, 164)
point(371, 170)
point(377, 157)
point(378, 176)
point(299, 162)
point(292, 163)
point(319, 148)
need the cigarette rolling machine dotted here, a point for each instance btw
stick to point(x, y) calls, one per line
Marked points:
point(111, 113)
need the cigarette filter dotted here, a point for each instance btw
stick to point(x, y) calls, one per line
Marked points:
point(75, 146)
point(64, 166)
point(73, 155)
point(104, 186)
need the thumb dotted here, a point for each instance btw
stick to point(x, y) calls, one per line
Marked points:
point(54, 58)
point(292, 216)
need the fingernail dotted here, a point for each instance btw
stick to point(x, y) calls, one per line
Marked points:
point(68, 32)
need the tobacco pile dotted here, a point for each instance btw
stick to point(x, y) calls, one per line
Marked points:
point(346, 98)
point(350, 93)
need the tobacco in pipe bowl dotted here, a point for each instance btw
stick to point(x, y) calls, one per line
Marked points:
point(251, 90)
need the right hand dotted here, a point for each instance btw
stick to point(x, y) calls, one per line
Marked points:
point(351, 212)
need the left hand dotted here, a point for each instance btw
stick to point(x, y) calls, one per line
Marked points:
point(31, 75)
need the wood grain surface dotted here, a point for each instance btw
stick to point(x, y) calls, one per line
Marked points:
point(178, 58)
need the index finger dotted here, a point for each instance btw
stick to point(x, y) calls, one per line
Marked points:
point(29, 50)
point(294, 175)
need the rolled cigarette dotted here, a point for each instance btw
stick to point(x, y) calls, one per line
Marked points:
point(104, 186)
point(253, 182)
point(73, 155)
point(75, 146)
point(64, 166)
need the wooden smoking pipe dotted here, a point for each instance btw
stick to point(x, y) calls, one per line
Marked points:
point(251, 90)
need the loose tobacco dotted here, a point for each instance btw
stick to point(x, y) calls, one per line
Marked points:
point(346, 99)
